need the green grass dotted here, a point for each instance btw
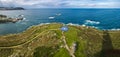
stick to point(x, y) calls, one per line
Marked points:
point(89, 41)
point(16, 39)
point(62, 53)
point(44, 51)
point(6, 52)
point(80, 51)
point(71, 35)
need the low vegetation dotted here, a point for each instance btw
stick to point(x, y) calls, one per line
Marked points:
point(49, 41)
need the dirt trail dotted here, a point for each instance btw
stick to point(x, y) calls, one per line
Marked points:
point(17, 46)
point(66, 46)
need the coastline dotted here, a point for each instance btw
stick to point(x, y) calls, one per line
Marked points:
point(68, 24)
point(50, 33)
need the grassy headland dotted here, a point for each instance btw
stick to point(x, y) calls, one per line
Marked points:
point(49, 41)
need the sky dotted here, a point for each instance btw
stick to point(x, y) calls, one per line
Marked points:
point(62, 3)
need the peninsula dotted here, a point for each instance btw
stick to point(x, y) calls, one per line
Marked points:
point(57, 40)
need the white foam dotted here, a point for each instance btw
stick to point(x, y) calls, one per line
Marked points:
point(114, 29)
point(91, 22)
point(52, 17)
point(83, 25)
point(43, 24)
point(73, 24)
point(58, 14)
point(24, 18)
point(118, 29)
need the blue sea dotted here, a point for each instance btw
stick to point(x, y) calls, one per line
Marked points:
point(99, 18)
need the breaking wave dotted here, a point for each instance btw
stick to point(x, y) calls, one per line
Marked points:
point(112, 29)
point(73, 24)
point(81, 25)
point(90, 22)
point(52, 17)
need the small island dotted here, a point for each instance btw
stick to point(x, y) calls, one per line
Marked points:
point(6, 19)
point(11, 8)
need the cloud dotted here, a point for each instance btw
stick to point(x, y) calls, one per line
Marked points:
point(94, 3)
point(63, 3)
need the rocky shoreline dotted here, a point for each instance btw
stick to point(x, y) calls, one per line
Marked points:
point(6, 19)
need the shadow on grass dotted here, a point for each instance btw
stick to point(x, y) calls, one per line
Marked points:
point(107, 47)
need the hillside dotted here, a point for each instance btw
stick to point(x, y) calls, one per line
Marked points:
point(49, 41)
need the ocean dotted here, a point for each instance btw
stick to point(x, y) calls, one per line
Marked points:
point(103, 19)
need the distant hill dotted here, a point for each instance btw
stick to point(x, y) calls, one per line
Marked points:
point(11, 8)
point(49, 41)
